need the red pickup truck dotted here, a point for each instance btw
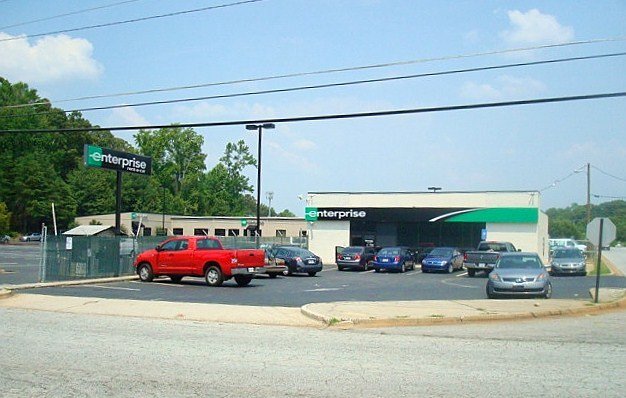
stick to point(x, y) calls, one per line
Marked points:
point(199, 256)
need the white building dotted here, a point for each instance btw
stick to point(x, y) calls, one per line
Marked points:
point(425, 219)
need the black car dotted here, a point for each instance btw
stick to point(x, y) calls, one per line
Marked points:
point(356, 257)
point(298, 260)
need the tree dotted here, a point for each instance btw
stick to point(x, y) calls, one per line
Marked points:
point(5, 218)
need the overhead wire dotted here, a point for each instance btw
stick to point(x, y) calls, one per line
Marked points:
point(134, 20)
point(608, 174)
point(334, 116)
point(559, 180)
point(310, 87)
point(68, 14)
point(332, 70)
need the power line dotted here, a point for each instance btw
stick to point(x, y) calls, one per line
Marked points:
point(334, 70)
point(609, 197)
point(559, 180)
point(68, 14)
point(172, 14)
point(320, 86)
point(335, 116)
point(608, 174)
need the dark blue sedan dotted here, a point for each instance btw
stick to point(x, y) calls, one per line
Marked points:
point(446, 259)
point(394, 259)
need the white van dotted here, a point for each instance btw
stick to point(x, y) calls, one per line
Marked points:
point(566, 243)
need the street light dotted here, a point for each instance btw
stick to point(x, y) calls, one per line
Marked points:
point(269, 195)
point(259, 128)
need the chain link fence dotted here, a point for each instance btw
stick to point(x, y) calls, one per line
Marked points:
point(87, 257)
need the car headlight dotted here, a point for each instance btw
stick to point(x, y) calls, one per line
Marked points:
point(444, 262)
point(541, 276)
point(495, 277)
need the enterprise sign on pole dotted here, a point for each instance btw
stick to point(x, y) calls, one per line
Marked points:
point(106, 158)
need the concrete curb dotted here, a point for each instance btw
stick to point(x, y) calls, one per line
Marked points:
point(448, 320)
point(615, 271)
point(5, 293)
point(70, 283)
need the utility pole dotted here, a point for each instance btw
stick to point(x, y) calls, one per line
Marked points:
point(588, 193)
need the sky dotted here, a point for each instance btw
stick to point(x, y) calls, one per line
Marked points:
point(531, 147)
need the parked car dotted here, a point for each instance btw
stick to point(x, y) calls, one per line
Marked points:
point(519, 274)
point(395, 258)
point(485, 256)
point(298, 260)
point(566, 243)
point(5, 238)
point(356, 257)
point(199, 256)
point(446, 259)
point(32, 237)
point(568, 261)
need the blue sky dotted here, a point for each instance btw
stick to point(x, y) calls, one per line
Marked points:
point(514, 148)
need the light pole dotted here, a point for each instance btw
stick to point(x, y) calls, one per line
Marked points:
point(269, 195)
point(259, 128)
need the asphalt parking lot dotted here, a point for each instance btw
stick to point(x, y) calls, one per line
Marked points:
point(328, 286)
point(19, 263)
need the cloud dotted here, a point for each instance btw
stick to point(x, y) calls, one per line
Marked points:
point(126, 116)
point(535, 28)
point(49, 59)
point(504, 87)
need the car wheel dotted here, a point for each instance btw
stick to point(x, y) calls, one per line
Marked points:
point(243, 280)
point(145, 273)
point(273, 275)
point(548, 292)
point(214, 276)
point(176, 278)
point(490, 293)
point(286, 271)
point(376, 269)
point(450, 269)
point(340, 268)
point(424, 270)
point(471, 272)
point(312, 273)
point(403, 269)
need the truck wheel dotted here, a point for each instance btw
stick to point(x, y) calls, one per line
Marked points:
point(145, 273)
point(243, 280)
point(312, 273)
point(272, 275)
point(214, 276)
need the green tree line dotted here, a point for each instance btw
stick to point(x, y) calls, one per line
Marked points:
point(571, 222)
point(38, 169)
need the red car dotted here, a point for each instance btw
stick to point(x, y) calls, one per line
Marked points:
point(199, 256)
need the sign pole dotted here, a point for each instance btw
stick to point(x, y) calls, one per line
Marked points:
point(599, 263)
point(118, 204)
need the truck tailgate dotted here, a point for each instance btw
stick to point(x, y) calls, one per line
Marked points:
point(481, 257)
point(250, 257)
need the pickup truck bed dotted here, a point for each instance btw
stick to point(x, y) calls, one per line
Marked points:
point(485, 257)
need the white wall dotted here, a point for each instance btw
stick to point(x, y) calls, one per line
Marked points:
point(523, 236)
point(325, 235)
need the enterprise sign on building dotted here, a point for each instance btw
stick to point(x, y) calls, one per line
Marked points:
point(106, 158)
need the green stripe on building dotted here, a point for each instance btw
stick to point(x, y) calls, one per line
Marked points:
point(499, 215)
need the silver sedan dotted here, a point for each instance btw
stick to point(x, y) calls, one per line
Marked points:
point(519, 274)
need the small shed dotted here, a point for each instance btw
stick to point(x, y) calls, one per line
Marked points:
point(91, 230)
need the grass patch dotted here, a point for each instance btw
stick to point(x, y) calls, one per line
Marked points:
point(604, 269)
point(333, 321)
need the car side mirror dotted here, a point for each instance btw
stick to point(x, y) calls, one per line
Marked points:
point(158, 248)
point(519, 250)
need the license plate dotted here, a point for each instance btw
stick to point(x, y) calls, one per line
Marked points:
point(385, 260)
point(250, 269)
point(518, 287)
point(311, 262)
point(348, 258)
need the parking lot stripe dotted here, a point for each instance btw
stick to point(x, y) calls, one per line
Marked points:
point(116, 288)
point(463, 274)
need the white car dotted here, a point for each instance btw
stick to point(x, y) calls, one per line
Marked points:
point(32, 237)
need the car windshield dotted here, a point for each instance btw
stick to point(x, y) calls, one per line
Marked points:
point(568, 253)
point(441, 252)
point(524, 262)
point(390, 252)
point(352, 250)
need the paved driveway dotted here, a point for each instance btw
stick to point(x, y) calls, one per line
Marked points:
point(329, 285)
